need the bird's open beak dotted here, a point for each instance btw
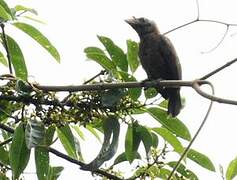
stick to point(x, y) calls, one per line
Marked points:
point(132, 21)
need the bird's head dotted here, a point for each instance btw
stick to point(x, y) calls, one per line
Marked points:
point(142, 25)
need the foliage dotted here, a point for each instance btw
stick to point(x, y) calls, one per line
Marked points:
point(36, 117)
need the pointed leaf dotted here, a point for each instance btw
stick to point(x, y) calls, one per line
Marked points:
point(17, 58)
point(103, 60)
point(183, 171)
point(19, 153)
point(23, 8)
point(122, 157)
point(231, 170)
point(34, 133)
point(116, 53)
point(94, 50)
point(132, 55)
point(67, 139)
point(42, 162)
point(146, 137)
point(39, 37)
point(155, 140)
point(201, 159)
point(109, 147)
point(170, 138)
point(5, 11)
point(79, 132)
point(54, 172)
point(172, 124)
point(132, 142)
point(3, 60)
point(94, 132)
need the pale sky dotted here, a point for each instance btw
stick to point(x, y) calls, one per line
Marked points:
point(73, 25)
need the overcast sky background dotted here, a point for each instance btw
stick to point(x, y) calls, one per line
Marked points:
point(73, 25)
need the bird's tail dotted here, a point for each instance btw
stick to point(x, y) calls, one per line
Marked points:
point(175, 104)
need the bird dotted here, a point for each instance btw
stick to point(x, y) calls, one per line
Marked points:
point(159, 59)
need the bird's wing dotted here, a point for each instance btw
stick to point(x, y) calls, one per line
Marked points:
point(171, 59)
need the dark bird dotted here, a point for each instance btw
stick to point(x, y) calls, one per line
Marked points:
point(159, 59)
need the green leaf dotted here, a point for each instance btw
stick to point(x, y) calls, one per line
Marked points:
point(79, 132)
point(67, 139)
point(54, 172)
point(122, 157)
point(155, 140)
point(201, 159)
point(34, 19)
point(7, 108)
point(42, 162)
point(34, 133)
point(103, 60)
point(116, 53)
point(3, 60)
point(132, 142)
point(4, 155)
point(17, 58)
point(172, 124)
point(170, 138)
point(231, 170)
point(183, 171)
point(150, 93)
point(23, 8)
point(134, 93)
point(112, 97)
point(93, 131)
point(39, 37)
point(109, 147)
point(93, 50)
point(164, 104)
point(146, 137)
point(132, 55)
point(5, 11)
point(49, 134)
point(19, 153)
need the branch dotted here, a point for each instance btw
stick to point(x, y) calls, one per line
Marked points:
point(61, 155)
point(5, 44)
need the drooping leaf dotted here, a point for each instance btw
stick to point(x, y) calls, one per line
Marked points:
point(132, 55)
point(23, 8)
point(201, 159)
point(34, 133)
point(93, 50)
point(5, 11)
point(3, 60)
point(116, 53)
point(39, 37)
point(132, 142)
point(103, 60)
point(231, 170)
point(67, 139)
point(79, 132)
point(54, 172)
point(4, 155)
point(49, 134)
point(109, 147)
point(34, 19)
point(172, 124)
point(122, 157)
point(155, 140)
point(17, 58)
point(170, 138)
point(145, 136)
point(183, 171)
point(94, 132)
point(19, 153)
point(42, 162)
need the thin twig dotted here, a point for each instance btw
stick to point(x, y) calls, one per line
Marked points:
point(5, 142)
point(218, 69)
point(5, 44)
point(194, 137)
